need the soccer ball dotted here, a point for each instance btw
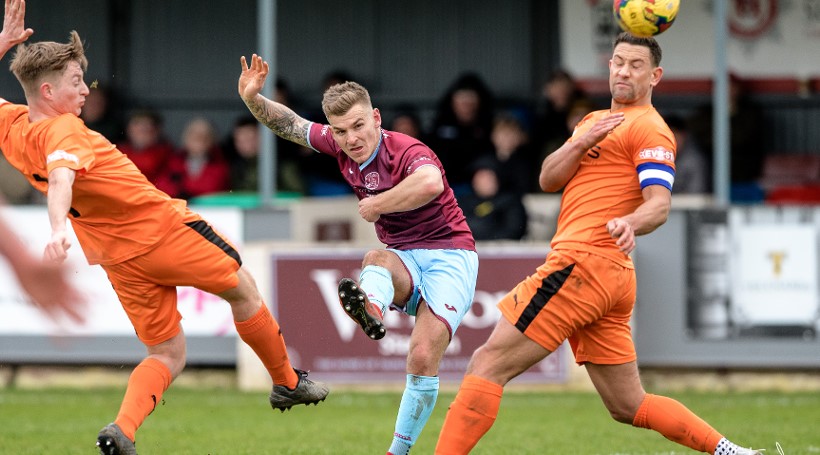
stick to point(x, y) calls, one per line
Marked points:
point(645, 18)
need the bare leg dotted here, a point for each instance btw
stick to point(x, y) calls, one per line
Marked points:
point(505, 355)
point(623, 395)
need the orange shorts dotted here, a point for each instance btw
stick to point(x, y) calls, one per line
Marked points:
point(192, 254)
point(579, 296)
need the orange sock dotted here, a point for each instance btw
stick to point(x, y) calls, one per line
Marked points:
point(261, 332)
point(676, 423)
point(470, 416)
point(149, 380)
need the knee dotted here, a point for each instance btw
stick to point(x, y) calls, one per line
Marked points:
point(423, 360)
point(375, 257)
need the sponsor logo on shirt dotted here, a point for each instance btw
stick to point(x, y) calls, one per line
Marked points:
point(324, 130)
point(658, 154)
point(59, 155)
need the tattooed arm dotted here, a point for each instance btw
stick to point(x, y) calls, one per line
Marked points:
point(278, 117)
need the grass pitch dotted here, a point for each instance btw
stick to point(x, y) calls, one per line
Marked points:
point(220, 421)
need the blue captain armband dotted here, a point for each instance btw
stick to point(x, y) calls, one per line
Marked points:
point(656, 174)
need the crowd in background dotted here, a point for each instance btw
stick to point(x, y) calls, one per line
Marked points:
point(491, 154)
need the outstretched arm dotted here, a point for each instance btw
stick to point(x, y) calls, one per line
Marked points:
point(278, 117)
point(14, 27)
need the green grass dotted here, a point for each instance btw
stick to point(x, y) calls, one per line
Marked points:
point(219, 421)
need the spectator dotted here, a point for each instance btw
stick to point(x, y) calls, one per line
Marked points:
point(145, 143)
point(322, 177)
point(407, 121)
point(98, 115)
point(745, 141)
point(512, 155)
point(692, 168)
point(14, 188)
point(242, 153)
point(461, 129)
point(558, 95)
point(493, 213)
point(577, 111)
point(198, 168)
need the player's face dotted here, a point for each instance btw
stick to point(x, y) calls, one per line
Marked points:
point(357, 132)
point(632, 75)
point(68, 92)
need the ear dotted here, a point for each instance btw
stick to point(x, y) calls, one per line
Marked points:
point(46, 90)
point(377, 117)
point(657, 73)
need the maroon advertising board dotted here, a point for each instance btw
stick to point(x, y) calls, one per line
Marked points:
point(322, 339)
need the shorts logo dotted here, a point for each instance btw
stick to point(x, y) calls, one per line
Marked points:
point(450, 308)
point(657, 153)
point(371, 180)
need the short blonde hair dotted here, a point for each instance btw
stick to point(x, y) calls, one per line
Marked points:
point(34, 62)
point(339, 98)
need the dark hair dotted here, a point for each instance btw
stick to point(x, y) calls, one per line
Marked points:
point(649, 42)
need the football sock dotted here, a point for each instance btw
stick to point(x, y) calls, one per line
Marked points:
point(417, 404)
point(149, 380)
point(261, 332)
point(470, 416)
point(377, 282)
point(676, 423)
point(726, 447)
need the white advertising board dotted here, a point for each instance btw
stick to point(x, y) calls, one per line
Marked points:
point(775, 275)
point(203, 313)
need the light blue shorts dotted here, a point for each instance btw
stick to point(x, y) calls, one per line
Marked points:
point(445, 279)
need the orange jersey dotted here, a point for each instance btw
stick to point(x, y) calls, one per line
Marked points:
point(637, 153)
point(115, 212)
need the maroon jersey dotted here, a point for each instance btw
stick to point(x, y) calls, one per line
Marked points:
point(438, 225)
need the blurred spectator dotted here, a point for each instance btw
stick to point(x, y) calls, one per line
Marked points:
point(145, 143)
point(512, 155)
point(461, 129)
point(242, 150)
point(338, 76)
point(98, 114)
point(321, 176)
point(558, 95)
point(492, 214)
point(579, 109)
point(406, 120)
point(198, 168)
point(692, 169)
point(745, 141)
point(242, 153)
point(14, 187)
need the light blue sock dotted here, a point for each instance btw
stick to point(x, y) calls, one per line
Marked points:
point(377, 283)
point(417, 404)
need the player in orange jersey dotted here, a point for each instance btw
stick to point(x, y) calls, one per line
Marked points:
point(147, 243)
point(617, 172)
